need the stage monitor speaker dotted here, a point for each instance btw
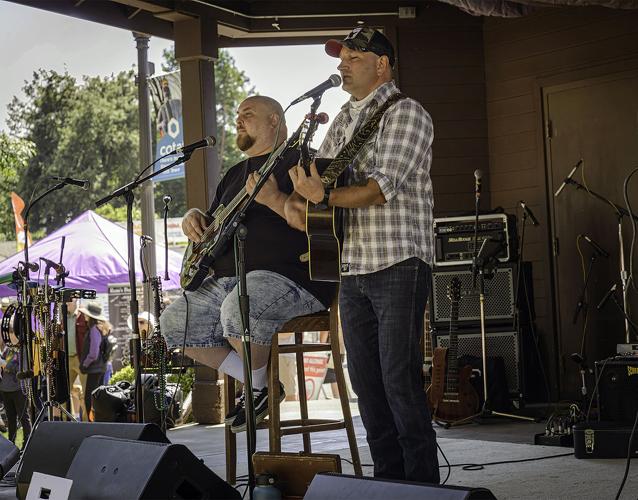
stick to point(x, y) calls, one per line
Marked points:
point(9, 455)
point(346, 487)
point(106, 468)
point(618, 389)
point(53, 445)
point(499, 295)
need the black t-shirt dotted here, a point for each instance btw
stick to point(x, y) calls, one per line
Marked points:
point(271, 245)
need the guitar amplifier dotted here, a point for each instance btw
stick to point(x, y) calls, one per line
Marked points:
point(499, 296)
point(618, 389)
point(454, 238)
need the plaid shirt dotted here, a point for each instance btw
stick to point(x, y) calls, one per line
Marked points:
point(399, 159)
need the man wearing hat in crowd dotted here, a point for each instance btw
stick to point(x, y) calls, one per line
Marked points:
point(386, 254)
point(91, 362)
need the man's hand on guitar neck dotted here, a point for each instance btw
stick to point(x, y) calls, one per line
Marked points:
point(194, 224)
point(308, 186)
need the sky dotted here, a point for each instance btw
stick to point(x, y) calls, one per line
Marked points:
point(32, 38)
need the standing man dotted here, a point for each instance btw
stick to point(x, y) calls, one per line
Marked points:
point(386, 254)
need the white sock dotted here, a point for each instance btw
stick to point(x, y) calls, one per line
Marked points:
point(233, 366)
point(260, 377)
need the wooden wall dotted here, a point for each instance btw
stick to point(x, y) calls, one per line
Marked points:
point(521, 55)
point(440, 63)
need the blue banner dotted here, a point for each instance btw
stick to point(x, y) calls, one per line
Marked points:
point(166, 100)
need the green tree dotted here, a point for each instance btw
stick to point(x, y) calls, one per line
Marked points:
point(15, 154)
point(86, 130)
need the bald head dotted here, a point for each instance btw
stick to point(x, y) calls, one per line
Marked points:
point(258, 121)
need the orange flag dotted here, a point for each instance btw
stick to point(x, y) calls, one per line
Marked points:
point(18, 207)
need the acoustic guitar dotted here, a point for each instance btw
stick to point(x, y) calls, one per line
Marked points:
point(323, 225)
point(451, 396)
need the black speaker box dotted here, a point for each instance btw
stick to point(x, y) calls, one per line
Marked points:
point(9, 455)
point(346, 487)
point(107, 468)
point(53, 445)
point(618, 389)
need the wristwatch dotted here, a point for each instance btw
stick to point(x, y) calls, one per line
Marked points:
point(323, 204)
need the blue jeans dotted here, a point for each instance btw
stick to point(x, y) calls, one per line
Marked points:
point(382, 321)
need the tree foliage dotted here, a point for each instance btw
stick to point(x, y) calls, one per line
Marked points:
point(15, 154)
point(89, 129)
point(84, 130)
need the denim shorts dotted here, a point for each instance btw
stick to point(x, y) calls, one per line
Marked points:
point(210, 314)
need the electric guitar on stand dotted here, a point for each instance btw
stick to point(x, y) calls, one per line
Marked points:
point(451, 396)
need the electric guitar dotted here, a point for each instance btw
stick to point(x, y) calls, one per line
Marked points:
point(200, 257)
point(451, 396)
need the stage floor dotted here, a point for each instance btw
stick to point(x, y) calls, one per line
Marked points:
point(491, 441)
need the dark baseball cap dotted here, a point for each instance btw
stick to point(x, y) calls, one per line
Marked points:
point(364, 39)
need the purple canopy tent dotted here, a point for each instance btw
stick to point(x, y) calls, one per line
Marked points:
point(94, 255)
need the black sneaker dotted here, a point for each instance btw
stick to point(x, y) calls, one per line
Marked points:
point(230, 416)
point(261, 409)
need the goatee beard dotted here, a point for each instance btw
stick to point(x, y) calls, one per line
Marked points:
point(244, 141)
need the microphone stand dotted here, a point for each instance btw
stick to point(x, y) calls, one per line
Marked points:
point(237, 230)
point(60, 279)
point(482, 265)
point(167, 201)
point(126, 192)
point(624, 274)
point(27, 373)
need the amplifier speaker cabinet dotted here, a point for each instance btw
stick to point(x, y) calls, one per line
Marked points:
point(499, 344)
point(499, 295)
point(618, 389)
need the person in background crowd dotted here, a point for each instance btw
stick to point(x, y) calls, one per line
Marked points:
point(91, 360)
point(15, 402)
point(76, 332)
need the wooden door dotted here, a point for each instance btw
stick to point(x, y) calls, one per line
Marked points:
point(596, 120)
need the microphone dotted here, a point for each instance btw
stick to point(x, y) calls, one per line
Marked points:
point(609, 293)
point(568, 178)
point(529, 213)
point(478, 176)
point(32, 266)
point(58, 268)
point(599, 250)
point(83, 183)
point(206, 142)
point(167, 199)
point(333, 81)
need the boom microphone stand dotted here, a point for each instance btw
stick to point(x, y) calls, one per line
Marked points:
point(624, 275)
point(236, 230)
point(126, 191)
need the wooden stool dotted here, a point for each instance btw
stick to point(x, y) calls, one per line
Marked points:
point(322, 321)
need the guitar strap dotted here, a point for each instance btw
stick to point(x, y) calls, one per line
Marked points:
point(350, 150)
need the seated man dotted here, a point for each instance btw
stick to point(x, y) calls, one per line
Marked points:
point(277, 281)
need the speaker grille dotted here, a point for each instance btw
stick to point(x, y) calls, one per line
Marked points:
point(499, 296)
point(499, 344)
